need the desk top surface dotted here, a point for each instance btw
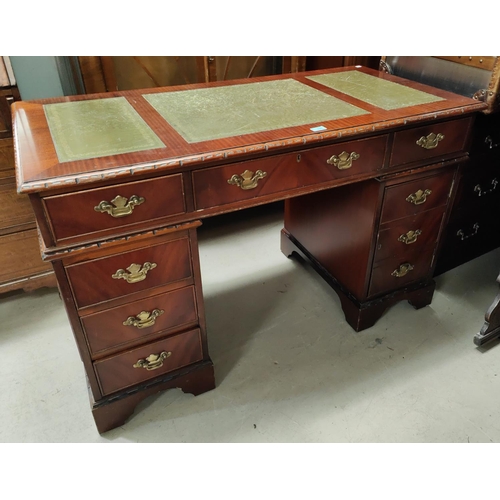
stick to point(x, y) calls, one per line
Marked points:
point(90, 138)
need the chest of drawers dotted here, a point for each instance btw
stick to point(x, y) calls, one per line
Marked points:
point(365, 161)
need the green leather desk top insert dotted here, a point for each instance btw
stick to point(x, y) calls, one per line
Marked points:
point(219, 112)
point(376, 91)
point(100, 127)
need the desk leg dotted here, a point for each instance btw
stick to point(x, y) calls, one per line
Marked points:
point(115, 411)
point(491, 326)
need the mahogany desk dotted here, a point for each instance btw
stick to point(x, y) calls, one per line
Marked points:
point(120, 182)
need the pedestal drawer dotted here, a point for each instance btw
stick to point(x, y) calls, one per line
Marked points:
point(413, 197)
point(94, 210)
point(150, 361)
point(395, 272)
point(406, 237)
point(252, 179)
point(431, 141)
point(140, 320)
point(129, 272)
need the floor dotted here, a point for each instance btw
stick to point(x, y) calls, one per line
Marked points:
point(288, 367)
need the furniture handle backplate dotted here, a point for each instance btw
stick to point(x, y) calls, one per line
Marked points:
point(153, 361)
point(463, 236)
point(134, 273)
point(431, 141)
point(119, 206)
point(480, 192)
point(343, 161)
point(144, 319)
point(410, 237)
point(403, 270)
point(247, 180)
point(419, 197)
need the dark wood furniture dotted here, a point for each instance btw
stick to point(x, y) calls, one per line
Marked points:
point(365, 162)
point(21, 266)
point(491, 327)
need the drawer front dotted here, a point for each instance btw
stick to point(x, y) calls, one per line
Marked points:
point(140, 319)
point(407, 237)
point(395, 272)
point(480, 181)
point(253, 179)
point(418, 144)
point(413, 197)
point(129, 272)
point(146, 362)
point(119, 206)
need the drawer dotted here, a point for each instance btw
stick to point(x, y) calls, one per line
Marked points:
point(115, 207)
point(480, 181)
point(418, 144)
point(148, 362)
point(129, 272)
point(407, 237)
point(389, 274)
point(277, 174)
point(410, 198)
point(140, 319)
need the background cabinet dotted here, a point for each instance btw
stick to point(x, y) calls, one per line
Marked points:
point(21, 266)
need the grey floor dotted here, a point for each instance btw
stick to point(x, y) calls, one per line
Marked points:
point(288, 367)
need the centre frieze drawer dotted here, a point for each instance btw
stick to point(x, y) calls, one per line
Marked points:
point(129, 272)
point(75, 215)
point(257, 178)
point(141, 319)
point(149, 361)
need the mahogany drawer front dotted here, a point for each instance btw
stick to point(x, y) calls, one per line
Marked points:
point(277, 174)
point(140, 319)
point(118, 372)
point(407, 237)
point(454, 138)
point(412, 197)
point(74, 214)
point(93, 282)
point(394, 272)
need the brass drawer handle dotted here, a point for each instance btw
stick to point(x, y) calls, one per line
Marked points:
point(410, 237)
point(134, 273)
point(431, 141)
point(144, 319)
point(153, 361)
point(463, 236)
point(119, 206)
point(480, 192)
point(343, 161)
point(403, 270)
point(419, 197)
point(488, 140)
point(247, 180)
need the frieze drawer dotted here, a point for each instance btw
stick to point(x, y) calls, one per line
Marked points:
point(253, 179)
point(141, 319)
point(148, 362)
point(79, 215)
point(129, 272)
point(430, 142)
